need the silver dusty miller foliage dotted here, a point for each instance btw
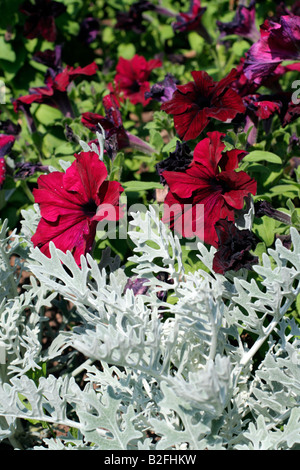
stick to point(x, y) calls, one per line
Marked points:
point(177, 369)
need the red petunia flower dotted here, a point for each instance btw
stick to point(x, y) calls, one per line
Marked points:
point(210, 181)
point(194, 104)
point(55, 92)
point(6, 143)
point(41, 18)
point(73, 203)
point(131, 80)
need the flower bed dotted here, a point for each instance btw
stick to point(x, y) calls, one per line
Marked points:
point(149, 243)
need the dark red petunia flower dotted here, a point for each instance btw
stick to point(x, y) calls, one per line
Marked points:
point(278, 42)
point(243, 23)
point(6, 143)
point(55, 92)
point(89, 30)
point(234, 248)
point(133, 19)
point(191, 20)
point(41, 18)
point(112, 122)
point(50, 58)
point(210, 183)
point(72, 204)
point(131, 79)
point(115, 133)
point(259, 108)
point(194, 104)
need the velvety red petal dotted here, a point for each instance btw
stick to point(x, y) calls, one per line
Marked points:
point(239, 185)
point(6, 143)
point(180, 102)
point(231, 159)
point(182, 184)
point(109, 196)
point(69, 233)
point(91, 121)
point(190, 124)
point(208, 152)
point(205, 84)
point(85, 175)
point(53, 199)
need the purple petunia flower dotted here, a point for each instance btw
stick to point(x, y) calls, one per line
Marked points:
point(179, 160)
point(89, 30)
point(234, 247)
point(243, 23)
point(278, 42)
point(162, 91)
point(26, 169)
point(133, 19)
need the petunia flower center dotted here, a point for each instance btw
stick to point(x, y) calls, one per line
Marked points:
point(219, 186)
point(203, 101)
point(89, 208)
point(135, 87)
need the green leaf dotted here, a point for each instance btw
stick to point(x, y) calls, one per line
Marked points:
point(260, 155)
point(141, 185)
point(264, 228)
point(6, 51)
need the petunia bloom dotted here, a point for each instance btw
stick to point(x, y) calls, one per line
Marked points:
point(208, 190)
point(179, 160)
point(234, 248)
point(194, 104)
point(191, 20)
point(55, 92)
point(72, 204)
point(162, 91)
point(243, 23)
point(115, 133)
point(259, 108)
point(89, 30)
point(6, 143)
point(278, 42)
point(131, 79)
point(41, 18)
point(133, 19)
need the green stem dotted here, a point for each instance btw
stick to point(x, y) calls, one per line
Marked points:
point(27, 191)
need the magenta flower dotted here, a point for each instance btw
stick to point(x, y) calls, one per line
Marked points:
point(193, 105)
point(6, 143)
point(210, 182)
point(278, 42)
point(73, 203)
point(41, 18)
point(131, 79)
point(243, 23)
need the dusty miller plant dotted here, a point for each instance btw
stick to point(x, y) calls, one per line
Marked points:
point(157, 374)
